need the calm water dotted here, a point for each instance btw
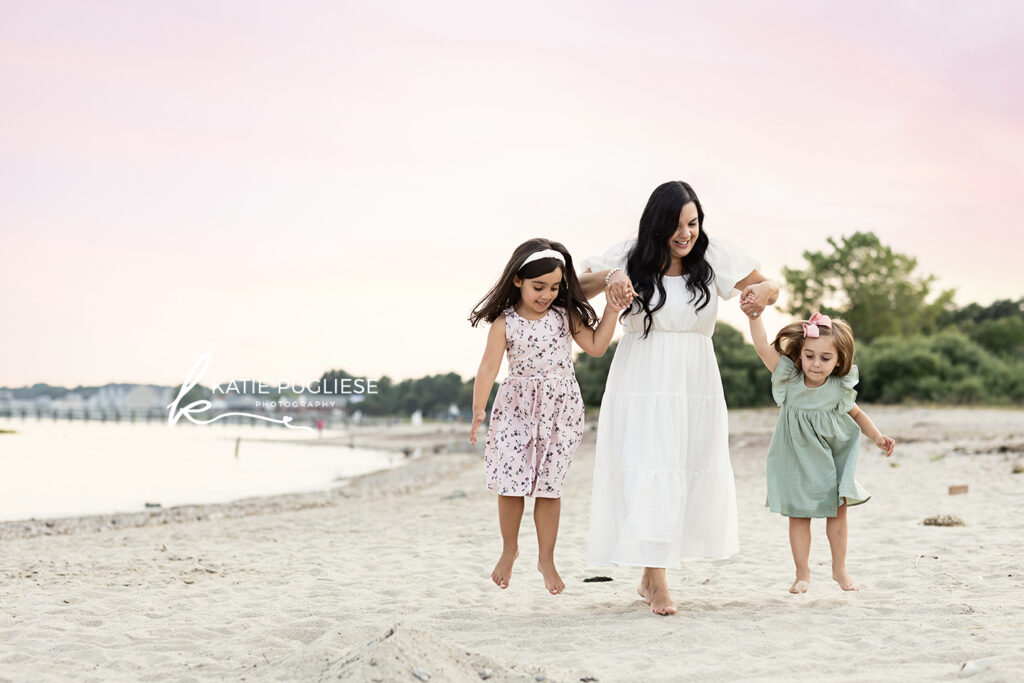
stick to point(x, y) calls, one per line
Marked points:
point(57, 469)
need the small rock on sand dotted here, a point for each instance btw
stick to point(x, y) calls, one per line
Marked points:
point(944, 520)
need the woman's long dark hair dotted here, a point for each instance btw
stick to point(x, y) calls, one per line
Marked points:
point(651, 257)
point(504, 293)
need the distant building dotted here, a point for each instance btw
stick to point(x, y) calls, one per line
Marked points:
point(141, 398)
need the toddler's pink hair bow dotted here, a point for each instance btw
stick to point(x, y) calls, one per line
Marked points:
point(811, 326)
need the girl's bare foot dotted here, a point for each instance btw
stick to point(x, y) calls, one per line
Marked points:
point(844, 580)
point(502, 573)
point(552, 581)
point(800, 585)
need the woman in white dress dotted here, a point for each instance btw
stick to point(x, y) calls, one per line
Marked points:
point(663, 482)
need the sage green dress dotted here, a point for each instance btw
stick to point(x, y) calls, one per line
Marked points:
point(812, 458)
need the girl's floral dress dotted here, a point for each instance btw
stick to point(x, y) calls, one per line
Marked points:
point(537, 418)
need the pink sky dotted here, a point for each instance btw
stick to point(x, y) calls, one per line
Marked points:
point(304, 186)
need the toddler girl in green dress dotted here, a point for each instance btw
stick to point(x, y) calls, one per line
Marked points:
point(812, 458)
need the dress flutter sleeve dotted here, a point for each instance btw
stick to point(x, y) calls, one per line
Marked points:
point(730, 263)
point(849, 394)
point(784, 373)
point(613, 258)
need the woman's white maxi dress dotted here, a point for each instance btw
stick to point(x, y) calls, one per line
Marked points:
point(663, 483)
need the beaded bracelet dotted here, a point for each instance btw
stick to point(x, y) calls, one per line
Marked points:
point(609, 275)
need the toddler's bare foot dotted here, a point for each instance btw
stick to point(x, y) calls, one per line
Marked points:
point(800, 585)
point(502, 573)
point(844, 580)
point(552, 581)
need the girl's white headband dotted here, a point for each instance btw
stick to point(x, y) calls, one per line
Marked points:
point(544, 253)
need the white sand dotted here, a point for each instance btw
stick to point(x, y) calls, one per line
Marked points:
point(312, 593)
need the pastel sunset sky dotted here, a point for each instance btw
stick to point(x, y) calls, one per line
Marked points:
point(301, 186)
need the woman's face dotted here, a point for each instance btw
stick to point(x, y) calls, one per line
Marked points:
point(685, 236)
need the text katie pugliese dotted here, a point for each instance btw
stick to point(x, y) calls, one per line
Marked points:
point(327, 387)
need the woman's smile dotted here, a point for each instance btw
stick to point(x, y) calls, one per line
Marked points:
point(681, 245)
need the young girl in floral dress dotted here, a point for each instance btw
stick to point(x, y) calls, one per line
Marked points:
point(536, 310)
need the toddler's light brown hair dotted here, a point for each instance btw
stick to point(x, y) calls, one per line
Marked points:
point(789, 342)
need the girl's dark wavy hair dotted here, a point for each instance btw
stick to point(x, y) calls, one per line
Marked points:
point(505, 294)
point(651, 257)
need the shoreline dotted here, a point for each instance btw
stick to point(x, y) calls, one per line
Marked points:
point(432, 449)
point(431, 440)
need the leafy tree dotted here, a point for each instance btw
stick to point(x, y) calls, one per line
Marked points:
point(998, 327)
point(382, 402)
point(947, 367)
point(432, 394)
point(1004, 337)
point(976, 313)
point(867, 284)
point(466, 396)
point(745, 379)
point(332, 375)
point(592, 373)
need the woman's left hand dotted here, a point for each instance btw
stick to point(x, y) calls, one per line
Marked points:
point(754, 299)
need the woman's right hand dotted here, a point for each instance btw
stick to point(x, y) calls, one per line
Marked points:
point(478, 419)
point(619, 291)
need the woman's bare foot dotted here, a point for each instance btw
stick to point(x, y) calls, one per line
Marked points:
point(645, 585)
point(660, 600)
point(800, 586)
point(502, 573)
point(657, 596)
point(552, 581)
point(844, 580)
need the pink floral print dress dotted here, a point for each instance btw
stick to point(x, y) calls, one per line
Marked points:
point(537, 418)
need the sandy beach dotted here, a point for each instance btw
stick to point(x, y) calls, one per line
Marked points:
point(387, 579)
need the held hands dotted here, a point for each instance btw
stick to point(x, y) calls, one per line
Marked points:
point(478, 419)
point(609, 306)
point(754, 299)
point(886, 443)
point(619, 292)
